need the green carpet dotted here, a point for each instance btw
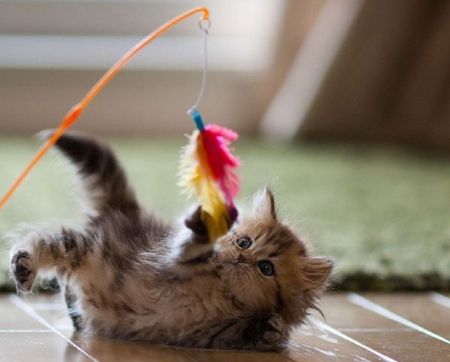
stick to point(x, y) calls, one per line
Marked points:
point(382, 213)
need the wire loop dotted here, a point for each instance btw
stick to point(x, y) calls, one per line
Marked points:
point(205, 24)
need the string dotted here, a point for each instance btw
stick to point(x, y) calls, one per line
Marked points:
point(193, 111)
point(76, 110)
point(204, 25)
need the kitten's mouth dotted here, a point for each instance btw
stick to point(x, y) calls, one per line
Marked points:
point(228, 258)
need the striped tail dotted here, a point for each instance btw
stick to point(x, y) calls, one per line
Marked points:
point(103, 179)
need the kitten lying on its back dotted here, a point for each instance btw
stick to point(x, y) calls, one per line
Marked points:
point(128, 275)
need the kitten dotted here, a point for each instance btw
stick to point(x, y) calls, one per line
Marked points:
point(128, 275)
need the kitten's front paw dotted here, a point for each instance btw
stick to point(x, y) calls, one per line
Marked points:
point(273, 333)
point(196, 224)
point(22, 269)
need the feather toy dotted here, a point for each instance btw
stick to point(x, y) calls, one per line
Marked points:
point(207, 170)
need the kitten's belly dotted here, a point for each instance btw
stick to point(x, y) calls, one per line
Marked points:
point(161, 314)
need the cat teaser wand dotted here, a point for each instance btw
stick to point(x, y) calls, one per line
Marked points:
point(207, 166)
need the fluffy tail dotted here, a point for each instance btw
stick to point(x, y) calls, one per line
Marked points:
point(102, 177)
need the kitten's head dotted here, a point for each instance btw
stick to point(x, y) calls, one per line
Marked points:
point(268, 266)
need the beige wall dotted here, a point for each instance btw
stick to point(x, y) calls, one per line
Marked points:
point(135, 103)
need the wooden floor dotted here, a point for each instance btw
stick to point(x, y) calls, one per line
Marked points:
point(367, 327)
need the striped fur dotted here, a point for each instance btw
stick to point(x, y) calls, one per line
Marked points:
point(128, 275)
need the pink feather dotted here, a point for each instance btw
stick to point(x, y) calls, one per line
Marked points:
point(221, 161)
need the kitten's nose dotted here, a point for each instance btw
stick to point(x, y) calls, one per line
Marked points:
point(241, 259)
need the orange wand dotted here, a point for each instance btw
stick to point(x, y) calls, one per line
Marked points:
point(76, 111)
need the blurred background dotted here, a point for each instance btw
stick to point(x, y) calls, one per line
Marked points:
point(52, 52)
point(343, 104)
point(347, 69)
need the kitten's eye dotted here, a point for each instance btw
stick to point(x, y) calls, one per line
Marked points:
point(244, 242)
point(266, 268)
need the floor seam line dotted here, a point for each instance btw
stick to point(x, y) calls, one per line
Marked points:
point(440, 299)
point(352, 340)
point(27, 309)
point(384, 312)
point(26, 331)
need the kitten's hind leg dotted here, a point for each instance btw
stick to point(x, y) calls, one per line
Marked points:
point(272, 333)
point(71, 301)
point(263, 333)
point(58, 253)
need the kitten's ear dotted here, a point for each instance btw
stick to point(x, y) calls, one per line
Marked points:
point(264, 204)
point(316, 272)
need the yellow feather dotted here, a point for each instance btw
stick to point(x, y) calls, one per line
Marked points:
point(195, 178)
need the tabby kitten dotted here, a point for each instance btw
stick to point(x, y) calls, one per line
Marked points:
point(128, 275)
